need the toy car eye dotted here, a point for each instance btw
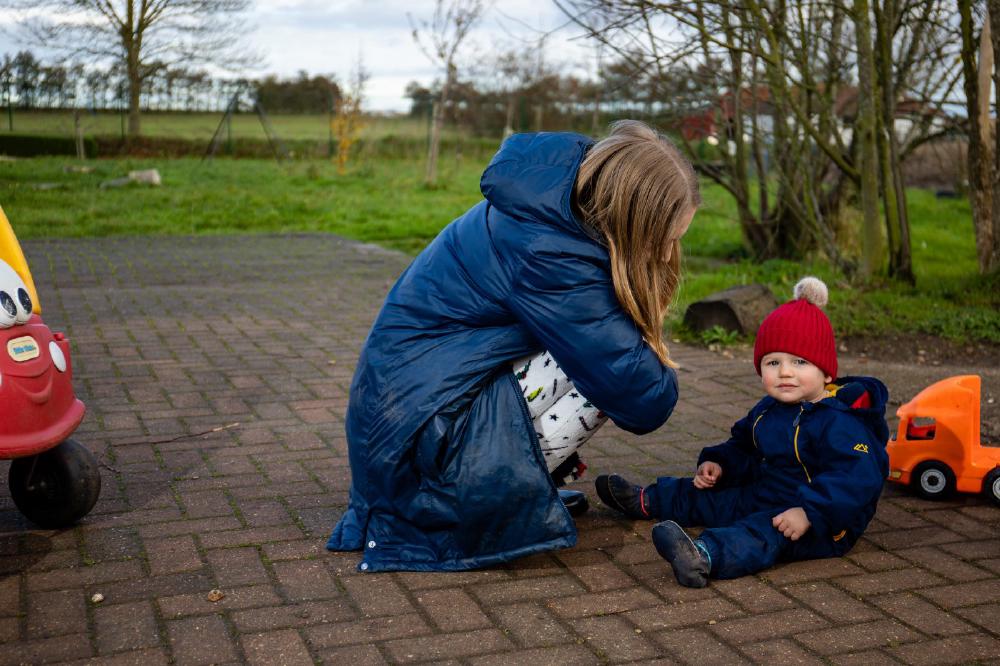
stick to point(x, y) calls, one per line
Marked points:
point(8, 310)
point(24, 300)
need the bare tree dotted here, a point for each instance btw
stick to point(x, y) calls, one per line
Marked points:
point(805, 97)
point(142, 35)
point(440, 39)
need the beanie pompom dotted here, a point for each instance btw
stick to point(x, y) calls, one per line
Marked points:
point(812, 290)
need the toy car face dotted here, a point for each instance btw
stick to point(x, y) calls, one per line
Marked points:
point(37, 404)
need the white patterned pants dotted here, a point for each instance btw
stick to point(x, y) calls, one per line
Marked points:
point(562, 417)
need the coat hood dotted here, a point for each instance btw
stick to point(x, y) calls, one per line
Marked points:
point(864, 397)
point(532, 177)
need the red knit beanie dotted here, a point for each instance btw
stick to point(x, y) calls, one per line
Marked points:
point(801, 328)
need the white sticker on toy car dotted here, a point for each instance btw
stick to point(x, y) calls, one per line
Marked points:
point(23, 349)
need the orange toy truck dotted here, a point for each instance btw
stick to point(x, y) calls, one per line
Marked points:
point(937, 450)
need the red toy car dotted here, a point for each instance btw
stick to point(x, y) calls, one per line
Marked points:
point(937, 449)
point(53, 479)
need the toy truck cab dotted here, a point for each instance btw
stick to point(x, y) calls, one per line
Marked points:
point(937, 448)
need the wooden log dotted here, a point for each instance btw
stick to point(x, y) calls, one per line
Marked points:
point(739, 309)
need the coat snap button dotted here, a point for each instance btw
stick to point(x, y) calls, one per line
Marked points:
point(371, 544)
point(364, 566)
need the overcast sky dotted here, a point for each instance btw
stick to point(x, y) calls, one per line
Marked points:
point(327, 36)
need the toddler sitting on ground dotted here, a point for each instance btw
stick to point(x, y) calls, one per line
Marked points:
point(801, 474)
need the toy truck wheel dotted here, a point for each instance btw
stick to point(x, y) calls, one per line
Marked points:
point(57, 487)
point(991, 485)
point(933, 480)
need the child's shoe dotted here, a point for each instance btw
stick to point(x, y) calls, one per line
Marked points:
point(624, 497)
point(690, 563)
point(574, 501)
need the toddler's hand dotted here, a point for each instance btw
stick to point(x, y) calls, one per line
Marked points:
point(793, 523)
point(708, 474)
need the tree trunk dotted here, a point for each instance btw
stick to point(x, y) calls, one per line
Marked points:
point(897, 224)
point(865, 127)
point(988, 126)
point(981, 166)
point(433, 146)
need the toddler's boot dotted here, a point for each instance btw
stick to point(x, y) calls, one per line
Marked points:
point(690, 563)
point(625, 497)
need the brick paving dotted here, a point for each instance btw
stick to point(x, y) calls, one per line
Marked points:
point(216, 372)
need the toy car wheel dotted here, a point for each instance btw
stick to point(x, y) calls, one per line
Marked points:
point(57, 487)
point(991, 485)
point(933, 480)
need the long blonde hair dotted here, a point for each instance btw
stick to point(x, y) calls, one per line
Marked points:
point(634, 189)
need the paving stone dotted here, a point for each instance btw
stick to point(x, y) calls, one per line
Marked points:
point(530, 625)
point(561, 654)
point(683, 614)
point(771, 625)
point(140, 657)
point(201, 640)
point(128, 626)
point(881, 633)
point(986, 616)
point(448, 645)
point(612, 601)
point(832, 603)
point(10, 629)
point(964, 594)
point(307, 579)
point(780, 651)
point(888, 581)
point(46, 650)
point(864, 658)
point(752, 594)
point(173, 554)
point(523, 590)
point(452, 610)
point(696, 646)
point(355, 655)
point(614, 639)
point(301, 614)
point(235, 567)
point(276, 647)
point(921, 615)
point(954, 650)
point(368, 630)
point(56, 613)
point(944, 564)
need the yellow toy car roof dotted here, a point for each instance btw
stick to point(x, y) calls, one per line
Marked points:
point(10, 251)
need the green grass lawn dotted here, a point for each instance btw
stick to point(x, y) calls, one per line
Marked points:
point(201, 126)
point(384, 201)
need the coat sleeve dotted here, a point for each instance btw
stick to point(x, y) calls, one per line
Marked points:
point(569, 305)
point(854, 470)
point(736, 455)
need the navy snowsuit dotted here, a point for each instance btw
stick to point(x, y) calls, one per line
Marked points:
point(446, 470)
point(826, 457)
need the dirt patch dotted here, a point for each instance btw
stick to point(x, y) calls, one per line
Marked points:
point(922, 349)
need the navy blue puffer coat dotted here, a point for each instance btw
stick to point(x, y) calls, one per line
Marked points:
point(446, 470)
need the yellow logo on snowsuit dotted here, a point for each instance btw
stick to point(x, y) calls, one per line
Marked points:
point(861, 447)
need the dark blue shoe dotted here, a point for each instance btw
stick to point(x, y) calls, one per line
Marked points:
point(623, 496)
point(574, 501)
point(690, 563)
